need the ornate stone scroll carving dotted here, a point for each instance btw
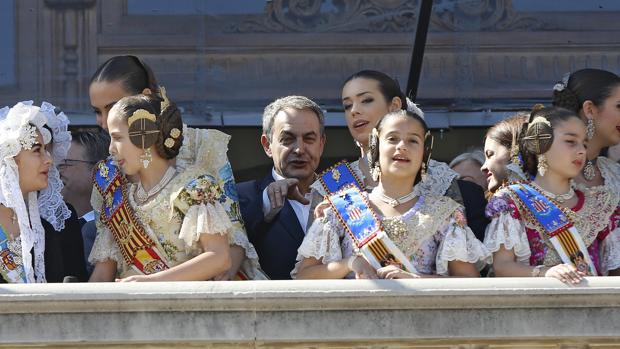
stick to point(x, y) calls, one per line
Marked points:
point(475, 15)
point(282, 16)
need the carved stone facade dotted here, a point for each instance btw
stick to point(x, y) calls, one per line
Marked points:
point(490, 50)
point(480, 54)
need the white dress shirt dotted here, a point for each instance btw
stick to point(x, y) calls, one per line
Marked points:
point(301, 211)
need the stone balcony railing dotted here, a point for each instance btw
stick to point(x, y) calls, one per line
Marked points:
point(429, 313)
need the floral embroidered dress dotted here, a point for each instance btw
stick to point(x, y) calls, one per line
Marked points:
point(595, 216)
point(200, 199)
point(431, 234)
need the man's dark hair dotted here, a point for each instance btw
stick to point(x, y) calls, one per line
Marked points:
point(95, 143)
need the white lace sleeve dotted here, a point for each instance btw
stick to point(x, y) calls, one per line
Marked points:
point(104, 247)
point(322, 241)
point(510, 232)
point(460, 244)
point(200, 202)
point(610, 252)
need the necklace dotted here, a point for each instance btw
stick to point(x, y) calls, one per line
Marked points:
point(393, 201)
point(589, 171)
point(561, 198)
point(14, 218)
point(143, 196)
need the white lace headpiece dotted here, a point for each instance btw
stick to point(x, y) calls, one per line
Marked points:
point(18, 130)
point(412, 107)
point(52, 206)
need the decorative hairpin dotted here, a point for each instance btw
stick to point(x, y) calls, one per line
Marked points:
point(141, 114)
point(174, 133)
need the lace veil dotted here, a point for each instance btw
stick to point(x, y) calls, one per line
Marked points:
point(52, 206)
point(18, 127)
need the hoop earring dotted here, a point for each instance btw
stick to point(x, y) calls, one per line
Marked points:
point(146, 158)
point(590, 128)
point(543, 166)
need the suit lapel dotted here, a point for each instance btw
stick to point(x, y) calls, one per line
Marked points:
point(286, 218)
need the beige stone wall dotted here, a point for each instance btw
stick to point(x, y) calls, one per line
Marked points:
point(451, 313)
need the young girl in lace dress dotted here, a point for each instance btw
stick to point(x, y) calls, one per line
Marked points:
point(175, 223)
point(366, 97)
point(431, 231)
point(127, 75)
point(547, 227)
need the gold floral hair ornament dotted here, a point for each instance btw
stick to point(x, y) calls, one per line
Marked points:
point(139, 115)
point(174, 133)
point(143, 124)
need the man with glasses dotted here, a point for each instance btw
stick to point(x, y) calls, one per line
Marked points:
point(87, 148)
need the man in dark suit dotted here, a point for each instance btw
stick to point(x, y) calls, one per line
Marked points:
point(276, 209)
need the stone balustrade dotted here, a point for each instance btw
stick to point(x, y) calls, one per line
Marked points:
point(428, 313)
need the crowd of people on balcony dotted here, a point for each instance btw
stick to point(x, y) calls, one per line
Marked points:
point(147, 198)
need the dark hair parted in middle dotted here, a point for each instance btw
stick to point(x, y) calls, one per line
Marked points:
point(373, 151)
point(594, 85)
point(149, 125)
point(537, 134)
point(388, 87)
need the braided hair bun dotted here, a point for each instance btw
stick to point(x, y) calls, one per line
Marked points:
point(170, 137)
point(564, 97)
point(149, 125)
point(537, 134)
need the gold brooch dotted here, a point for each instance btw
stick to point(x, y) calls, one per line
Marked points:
point(174, 133)
point(336, 174)
point(103, 169)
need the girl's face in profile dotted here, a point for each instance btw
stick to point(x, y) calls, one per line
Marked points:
point(125, 153)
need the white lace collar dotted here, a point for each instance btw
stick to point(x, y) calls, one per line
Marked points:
point(438, 180)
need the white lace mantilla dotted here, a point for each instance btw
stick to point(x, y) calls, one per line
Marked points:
point(51, 203)
point(18, 129)
point(438, 180)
